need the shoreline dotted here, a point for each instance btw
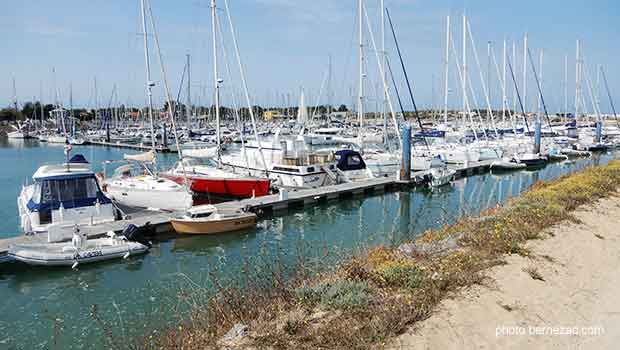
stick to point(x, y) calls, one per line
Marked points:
point(372, 300)
point(562, 295)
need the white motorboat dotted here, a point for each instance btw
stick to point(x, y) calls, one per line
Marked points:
point(287, 166)
point(507, 164)
point(80, 250)
point(441, 176)
point(20, 132)
point(135, 185)
point(208, 219)
point(63, 194)
point(351, 167)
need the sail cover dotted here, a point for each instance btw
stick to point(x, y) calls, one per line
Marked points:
point(141, 157)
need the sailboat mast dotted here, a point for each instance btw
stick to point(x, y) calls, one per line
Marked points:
point(504, 94)
point(360, 99)
point(188, 108)
point(149, 84)
point(525, 74)
point(446, 72)
point(383, 57)
point(464, 68)
point(565, 87)
point(540, 77)
point(514, 89)
point(216, 79)
point(14, 95)
point(577, 78)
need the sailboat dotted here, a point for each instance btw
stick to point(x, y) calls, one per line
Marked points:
point(146, 189)
point(212, 178)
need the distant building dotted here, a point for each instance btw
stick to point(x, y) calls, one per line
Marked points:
point(272, 114)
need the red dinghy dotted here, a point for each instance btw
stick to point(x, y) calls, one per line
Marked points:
point(207, 179)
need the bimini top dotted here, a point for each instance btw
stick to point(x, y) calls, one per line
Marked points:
point(349, 160)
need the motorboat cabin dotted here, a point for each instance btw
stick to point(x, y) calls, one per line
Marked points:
point(63, 194)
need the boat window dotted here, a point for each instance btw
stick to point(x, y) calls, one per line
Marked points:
point(354, 160)
point(69, 189)
point(310, 169)
point(291, 170)
point(202, 215)
point(36, 194)
point(190, 162)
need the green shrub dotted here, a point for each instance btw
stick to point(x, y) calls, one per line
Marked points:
point(341, 294)
point(401, 275)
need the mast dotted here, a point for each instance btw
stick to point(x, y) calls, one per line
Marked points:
point(514, 89)
point(188, 108)
point(525, 74)
point(41, 103)
point(14, 96)
point(96, 100)
point(464, 68)
point(504, 95)
point(446, 72)
point(216, 81)
point(360, 98)
point(489, 69)
point(577, 78)
point(149, 83)
point(540, 77)
point(383, 102)
point(71, 101)
point(565, 87)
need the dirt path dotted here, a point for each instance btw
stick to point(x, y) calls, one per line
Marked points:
point(577, 306)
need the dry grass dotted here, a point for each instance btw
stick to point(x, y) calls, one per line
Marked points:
point(375, 297)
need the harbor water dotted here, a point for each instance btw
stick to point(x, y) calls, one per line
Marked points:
point(60, 308)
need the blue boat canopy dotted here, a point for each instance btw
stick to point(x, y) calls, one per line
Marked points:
point(78, 159)
point(349, 160)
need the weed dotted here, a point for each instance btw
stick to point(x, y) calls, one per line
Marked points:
point(533, 272)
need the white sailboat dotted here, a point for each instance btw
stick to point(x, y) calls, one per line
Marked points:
point(146, 189)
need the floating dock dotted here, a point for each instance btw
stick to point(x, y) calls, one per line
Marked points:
point(260, 205)
point(139, 147)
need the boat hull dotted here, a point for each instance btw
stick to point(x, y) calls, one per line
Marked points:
point(53, 254)
point(233, 188)
point(207, 227)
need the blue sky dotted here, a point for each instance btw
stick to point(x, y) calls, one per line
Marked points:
point(285, 44)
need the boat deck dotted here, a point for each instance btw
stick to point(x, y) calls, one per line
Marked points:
point(260, 205)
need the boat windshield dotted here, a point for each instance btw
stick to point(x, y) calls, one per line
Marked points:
point(193, 162)
point(201, 215)
point(70, 191)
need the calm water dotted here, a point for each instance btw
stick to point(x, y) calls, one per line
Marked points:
point(52, 308)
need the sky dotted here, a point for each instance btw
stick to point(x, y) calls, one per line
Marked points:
point(286, 46)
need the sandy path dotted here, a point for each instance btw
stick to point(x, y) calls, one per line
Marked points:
point(580, 294)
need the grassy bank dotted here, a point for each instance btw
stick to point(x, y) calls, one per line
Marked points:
point(374, 297)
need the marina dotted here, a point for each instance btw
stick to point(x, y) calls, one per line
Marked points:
point(267, 204)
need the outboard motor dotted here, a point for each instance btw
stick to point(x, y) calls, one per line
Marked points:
point(138, 234)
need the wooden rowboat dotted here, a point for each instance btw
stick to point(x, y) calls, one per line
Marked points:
point(207, 220)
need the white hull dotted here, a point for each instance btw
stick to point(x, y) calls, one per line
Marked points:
point(65, 254)
point(145, 198)
point(149, 192)
point(17, 135)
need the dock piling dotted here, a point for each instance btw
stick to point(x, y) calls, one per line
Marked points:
point(405, 168)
